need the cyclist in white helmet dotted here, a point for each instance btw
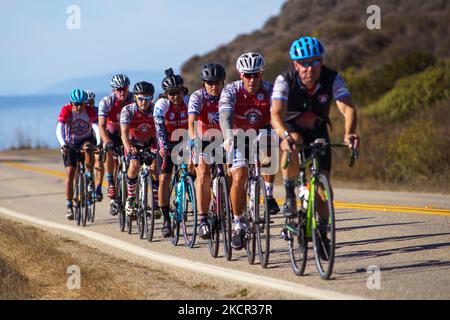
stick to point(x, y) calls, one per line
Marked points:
point(245, 104)
point(109, 118)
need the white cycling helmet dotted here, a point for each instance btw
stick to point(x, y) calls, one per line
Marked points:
point(120, 81)
point(250, 62)
point(90, 94)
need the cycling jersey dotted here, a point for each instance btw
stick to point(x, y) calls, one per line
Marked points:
point(250, 111)
point(142, 125)
point(207, 109)
point(110, 108)
point(169, 117)
point(304, 104)
point(73, 128)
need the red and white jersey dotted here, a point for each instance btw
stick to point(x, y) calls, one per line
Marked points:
point(110, 108)
point(77, 127)
point(250, 111)
point(207, 110)
point(142, 125)
point(175, 116)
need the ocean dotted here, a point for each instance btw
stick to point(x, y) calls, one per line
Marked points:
point(30, 120)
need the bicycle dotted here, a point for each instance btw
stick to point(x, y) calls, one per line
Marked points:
point(257, 213)
point(220, 213)
point(183, 206)
point(306, 224)
point(84, 199)
point(145, 208)
point(117, 206)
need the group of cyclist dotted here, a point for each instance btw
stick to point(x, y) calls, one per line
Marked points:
point(294, 110)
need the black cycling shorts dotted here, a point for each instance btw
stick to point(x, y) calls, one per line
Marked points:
point(310, 136)
point(71, 157)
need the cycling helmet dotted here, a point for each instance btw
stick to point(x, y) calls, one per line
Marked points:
point(212, 72)
point(144, 87)
point(171, 81)
point(78, 96)
point(305, 48)
point(90, 94)
point(250, 62)
point(120, 81)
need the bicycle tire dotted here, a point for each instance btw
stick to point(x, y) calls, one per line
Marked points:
point(148, 206)
point(139, 210)
point(214, 222)
point(84, 203)
point(189, 217)
point(262, 222)
point(92, 212)
point(77, 199)
point(173, 207)
point(324, 264)
point(118, 203)
point(297, 242)
point(225, 217)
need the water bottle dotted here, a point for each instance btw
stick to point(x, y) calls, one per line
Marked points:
point(304, 195)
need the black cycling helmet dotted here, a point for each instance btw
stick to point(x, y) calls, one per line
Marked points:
point(171, 81)
point(144, 87)
point(212, 72)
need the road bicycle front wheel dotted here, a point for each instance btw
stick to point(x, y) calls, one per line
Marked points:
point(225, 216)
point(77, 199)
point(214, 222)
point(118, 206)
point(173, 209)
point(297, 244)
point(189, 218)
point(148, 205)
point(323, 229)
point(250, 236)
point(262, 222)
point(140, 213)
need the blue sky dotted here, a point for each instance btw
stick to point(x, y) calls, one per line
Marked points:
point(38, 50)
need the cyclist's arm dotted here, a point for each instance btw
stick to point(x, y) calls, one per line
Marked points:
point(96, 129)
point(347, 109)
point(194, 109)
point(193, 121)
point(226, 123)
point(125, 131)
point(61, 133)
point(278, 112)
point(102, 126)
point(226, 106)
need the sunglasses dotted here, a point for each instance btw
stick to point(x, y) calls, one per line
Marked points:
point(122, 89)
point(306, 64)
point(252, 75)
point(213, 83)
point(142, 99)
point(174, 93)
point(78, 104)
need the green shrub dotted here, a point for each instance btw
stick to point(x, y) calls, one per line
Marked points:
point(414, 93)
point(367, 85)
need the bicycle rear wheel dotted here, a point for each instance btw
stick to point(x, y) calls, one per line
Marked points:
point(148, 205)
point(323, 231)
point(297, 244)
point(262, 222)
point(139, 210)
point(189, 217)
point(85, 203)
point(225, 216)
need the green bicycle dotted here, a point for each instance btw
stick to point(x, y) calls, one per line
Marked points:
point(315, 220)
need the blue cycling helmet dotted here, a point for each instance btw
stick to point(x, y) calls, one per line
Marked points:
point(78, 96)
point(305, 48)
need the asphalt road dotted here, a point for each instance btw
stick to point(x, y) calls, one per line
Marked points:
point(409, 246)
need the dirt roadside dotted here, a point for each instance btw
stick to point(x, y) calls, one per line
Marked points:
point(34, 265)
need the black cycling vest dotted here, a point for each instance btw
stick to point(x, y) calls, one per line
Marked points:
point(299, 101)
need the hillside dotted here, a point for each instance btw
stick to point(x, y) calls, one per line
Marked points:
point(398, 76)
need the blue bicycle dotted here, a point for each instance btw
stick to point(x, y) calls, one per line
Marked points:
point(183, 206)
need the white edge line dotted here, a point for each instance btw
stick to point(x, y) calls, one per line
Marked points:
point(228, 274)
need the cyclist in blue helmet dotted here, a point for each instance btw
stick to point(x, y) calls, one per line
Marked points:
point(77, 127)
point(301, 103)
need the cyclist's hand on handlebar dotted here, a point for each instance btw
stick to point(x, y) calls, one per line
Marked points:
point(287, 145)
point(352, 140)
point(162, 152)
point(133, 150)
point(64, 149)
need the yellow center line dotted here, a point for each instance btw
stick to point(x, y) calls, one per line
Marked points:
point(337, 204)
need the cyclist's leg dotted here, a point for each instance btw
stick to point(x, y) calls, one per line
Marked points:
point(89, 163)
point(163, 192)
point(239, 173)
point(203, 195)
point(112, 166)
point(132, 180)
point(99, 169)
